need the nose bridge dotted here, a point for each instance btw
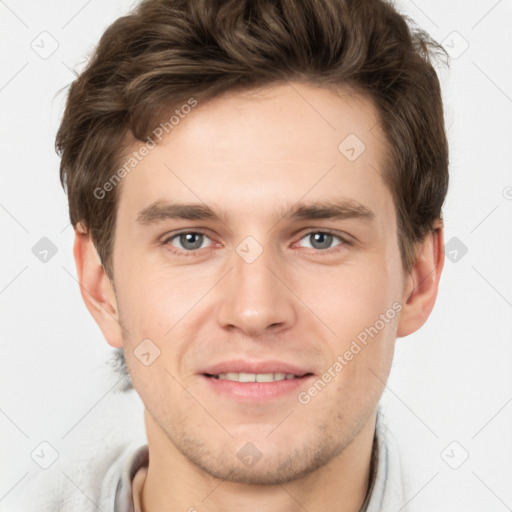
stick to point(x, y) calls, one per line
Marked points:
point(253, 298)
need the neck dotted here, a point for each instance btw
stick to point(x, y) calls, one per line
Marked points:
point(174, 483)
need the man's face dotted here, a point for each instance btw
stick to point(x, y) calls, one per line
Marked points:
point(259, 290)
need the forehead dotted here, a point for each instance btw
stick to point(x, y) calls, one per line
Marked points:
point(272, 145)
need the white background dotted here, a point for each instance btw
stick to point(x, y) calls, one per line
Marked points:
point(451, 381)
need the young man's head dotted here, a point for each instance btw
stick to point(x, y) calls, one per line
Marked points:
point(256, 188)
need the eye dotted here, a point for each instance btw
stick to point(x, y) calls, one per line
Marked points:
point(322, 240)
point(188, 241)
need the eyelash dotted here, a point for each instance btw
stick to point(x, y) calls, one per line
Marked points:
point(344, 242)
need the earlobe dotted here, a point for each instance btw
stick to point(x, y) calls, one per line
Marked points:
point(95, 287)
point(422, 282)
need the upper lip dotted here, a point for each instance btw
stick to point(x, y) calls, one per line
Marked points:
point(241, 366)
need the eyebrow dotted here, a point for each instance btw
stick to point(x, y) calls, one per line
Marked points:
point(336, 210)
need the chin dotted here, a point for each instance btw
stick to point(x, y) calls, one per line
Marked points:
point(271, 465)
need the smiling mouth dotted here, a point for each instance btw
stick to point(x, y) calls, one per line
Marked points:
point(256, 377)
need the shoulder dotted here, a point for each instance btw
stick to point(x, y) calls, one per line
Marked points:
point(82, 484)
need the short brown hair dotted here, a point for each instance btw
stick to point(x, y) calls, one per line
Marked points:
point(167, 51)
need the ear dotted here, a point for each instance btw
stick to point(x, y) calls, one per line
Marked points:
point(96, 289)
point(422, 282)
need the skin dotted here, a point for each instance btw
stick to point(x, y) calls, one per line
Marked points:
point(253, 156)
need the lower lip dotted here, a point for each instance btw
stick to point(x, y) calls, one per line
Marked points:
point(256, 391)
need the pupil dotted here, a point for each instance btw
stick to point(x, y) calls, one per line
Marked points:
point(187, 240)
point(322, 239)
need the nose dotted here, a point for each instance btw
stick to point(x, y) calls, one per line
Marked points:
point(255, 297)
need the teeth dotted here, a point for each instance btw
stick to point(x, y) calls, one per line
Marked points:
point(255, 377)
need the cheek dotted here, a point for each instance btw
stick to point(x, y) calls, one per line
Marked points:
point(160, 305)
point(351, 297)
point(153, 299)
point(360, 304)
